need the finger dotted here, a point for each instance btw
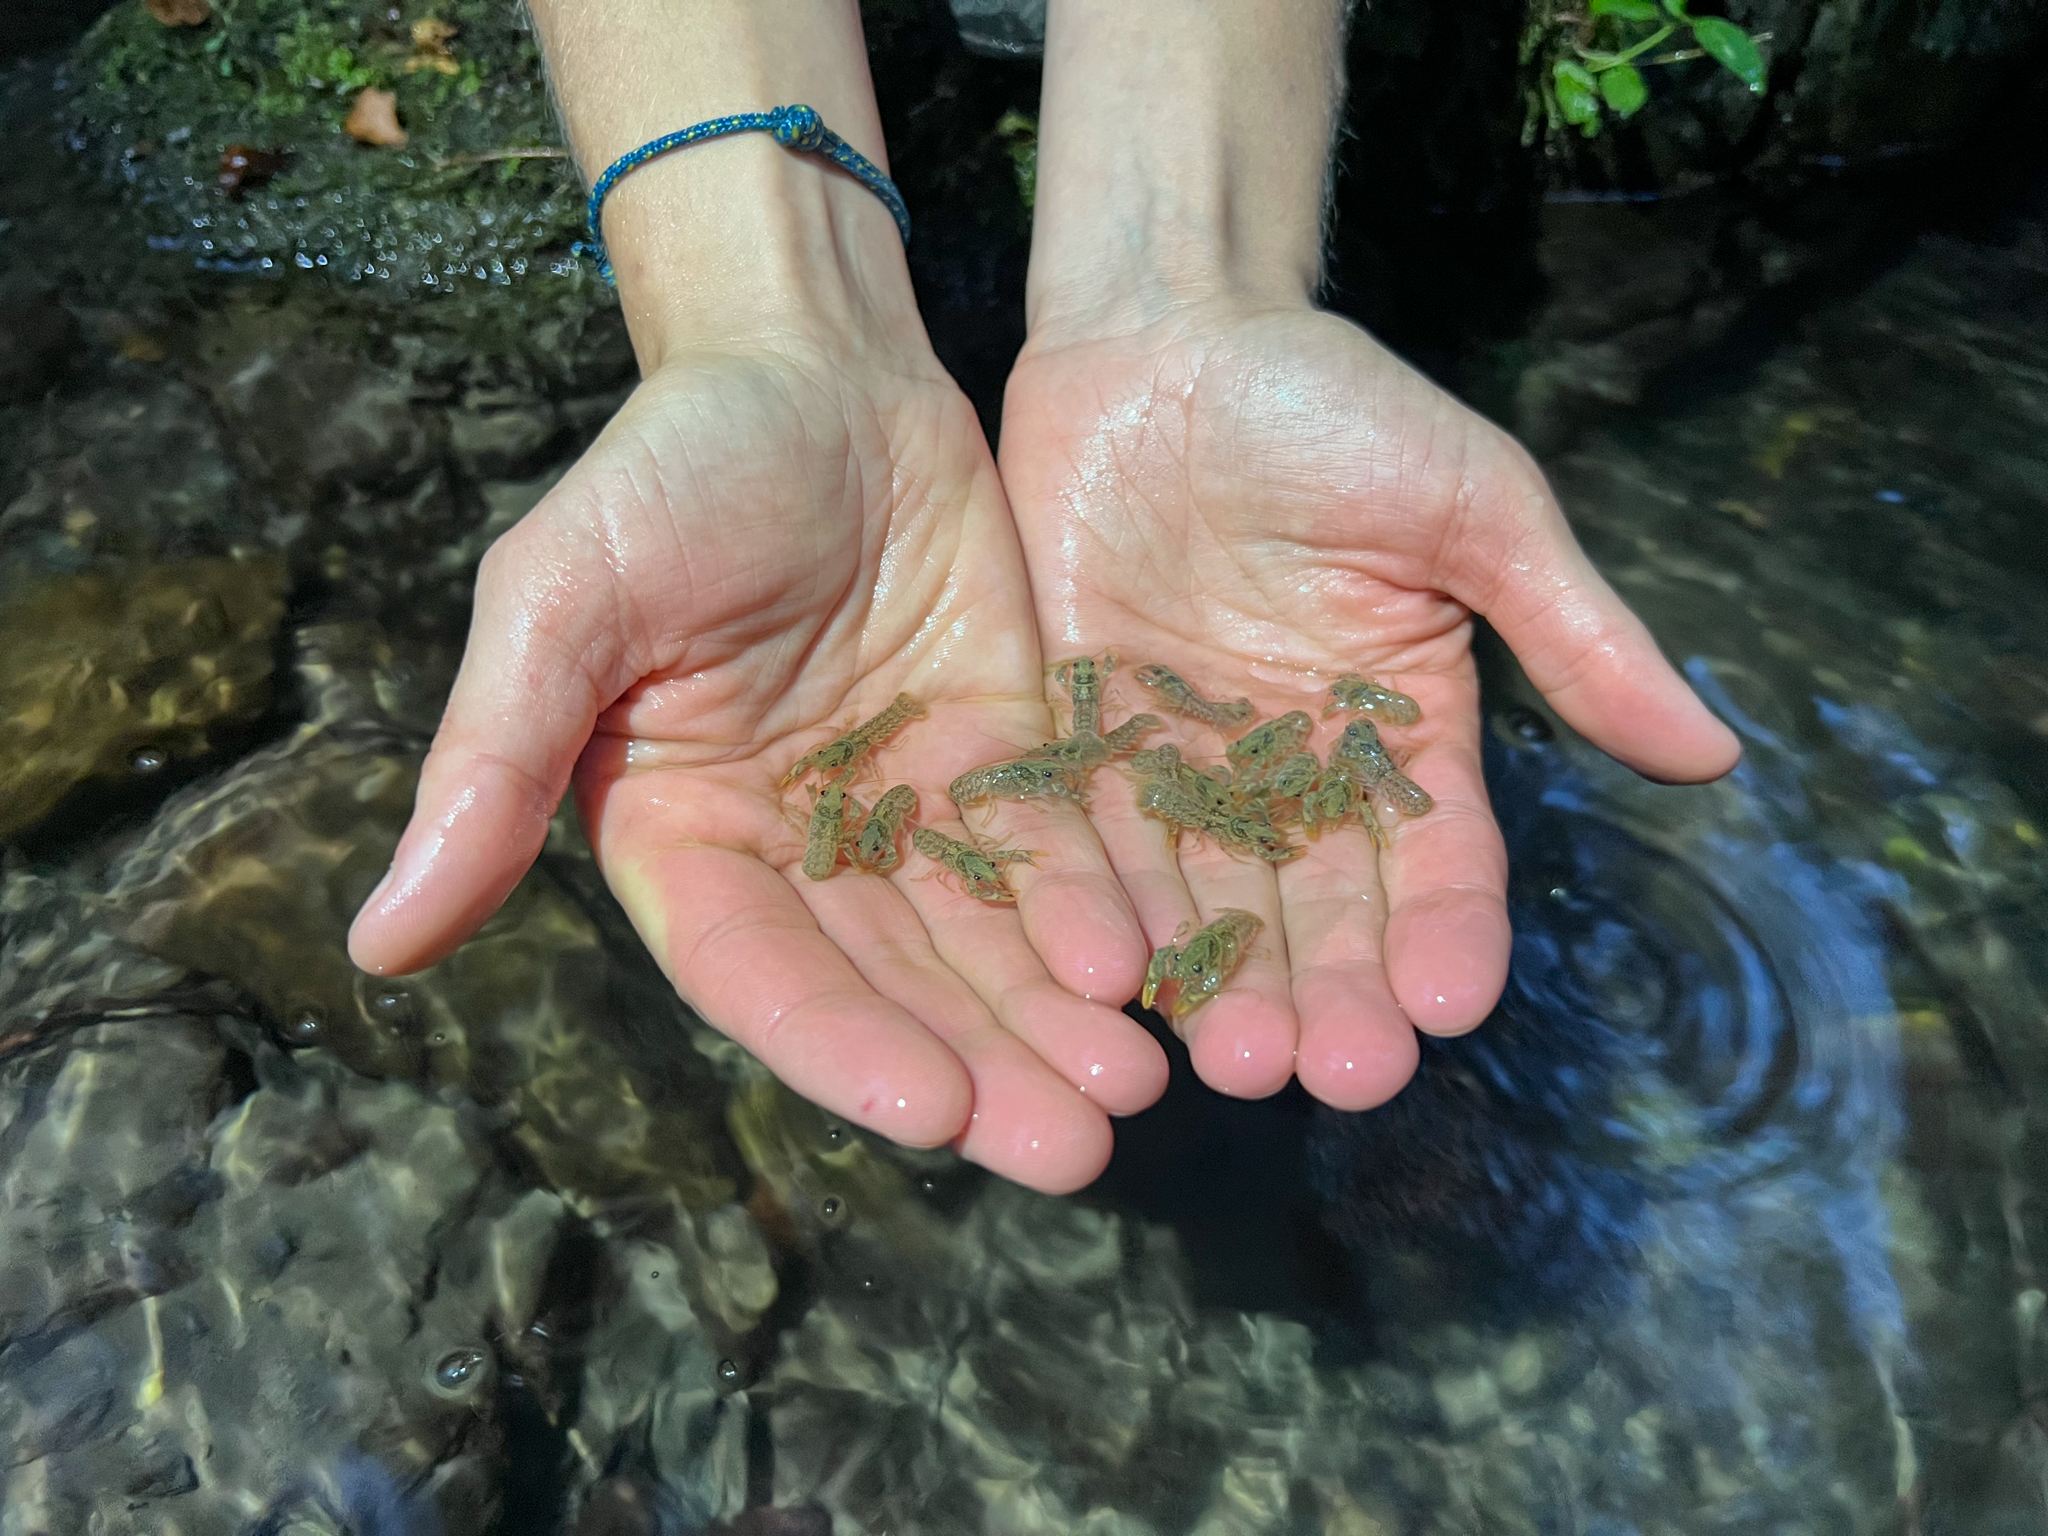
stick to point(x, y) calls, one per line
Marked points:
point(1242, 1042)
point(1578, 641)
point(1074, 911)
point(1143, 854)
point(745, 952)
point(1027, 1123)
point(1357, 1047)
point(964, 968)
point(1445, 872)
point(541, 660)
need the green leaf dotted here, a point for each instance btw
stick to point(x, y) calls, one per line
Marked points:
point(1677, 8)
point(1623, 88)
point(1627, 10)
point(1578, 98)
point(1732, 48)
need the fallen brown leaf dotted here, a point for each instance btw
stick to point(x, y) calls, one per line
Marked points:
point(430, 39)
point(374, 119)
point(180, 13)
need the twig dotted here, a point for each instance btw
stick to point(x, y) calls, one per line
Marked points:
point(537, 152)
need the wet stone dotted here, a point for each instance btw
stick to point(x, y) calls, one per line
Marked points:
point(37, 339)
point(112, 476)
point(109, 675)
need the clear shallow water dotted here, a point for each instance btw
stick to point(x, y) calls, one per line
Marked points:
point(1731, 1220)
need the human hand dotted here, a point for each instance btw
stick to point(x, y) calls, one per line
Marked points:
point(794, 519)
point(1262, 497)
point(1208, 472)
point(761, 548)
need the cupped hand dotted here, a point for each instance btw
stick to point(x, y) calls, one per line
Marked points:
point(1264, 499)
point(769, 543)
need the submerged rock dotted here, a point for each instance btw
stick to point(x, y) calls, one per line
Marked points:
point(113, 675)
point(231, 1279)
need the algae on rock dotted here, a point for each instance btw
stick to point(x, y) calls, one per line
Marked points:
point(480, 195)
point(113, 674)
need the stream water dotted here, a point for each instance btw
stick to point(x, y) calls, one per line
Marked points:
point(1734, 1218)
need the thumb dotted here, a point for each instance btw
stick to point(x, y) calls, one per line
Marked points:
point(544, 656)
point(1579, 643)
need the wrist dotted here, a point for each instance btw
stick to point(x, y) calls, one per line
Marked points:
point(741, 240)
point(1181, 162)
point(735, 238)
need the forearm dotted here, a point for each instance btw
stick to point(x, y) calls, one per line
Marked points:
point(1183, 154)
point(736, 236)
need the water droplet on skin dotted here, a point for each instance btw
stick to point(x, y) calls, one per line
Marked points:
point(830, 1206)
point(148, 760)
point(729, 1373)
point(458, 1369)
point(867, 1282)
point(835, 1134)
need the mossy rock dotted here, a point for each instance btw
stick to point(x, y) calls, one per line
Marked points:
point(478, 198)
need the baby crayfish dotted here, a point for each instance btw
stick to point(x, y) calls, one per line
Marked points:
point(1334, 795)
point(1176, 695)
point(836, 759)
point(1365, 758)
point(873, 848)
point(980, 872)
point(827, 832)
point(1086, 751)
point(1082, 678)
point(1367, 697)
point(1182, 977)
point(1022, 778)
point(1257, 753)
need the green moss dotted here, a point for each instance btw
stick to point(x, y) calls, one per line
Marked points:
point(446, 212)
point(1018, 132)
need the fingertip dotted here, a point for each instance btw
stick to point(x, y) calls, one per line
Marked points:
point(1128, 1075)
point(866, 1058)
point(1711, 752)
point(1357, 1048)
point(931, 1106)
point(1362, 1075)
point(363, 952)
point(1085, 931)
point(1447, 958)
point(1037, 1131)
point(1242, 1045)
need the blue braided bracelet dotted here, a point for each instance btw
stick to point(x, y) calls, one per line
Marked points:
point(796, 127)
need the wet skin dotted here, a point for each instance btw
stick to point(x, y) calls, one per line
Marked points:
point(1265, 500)
point(760, 551)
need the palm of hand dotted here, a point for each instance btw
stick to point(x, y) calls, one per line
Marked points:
point(755, 554)
point(1264, 502)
